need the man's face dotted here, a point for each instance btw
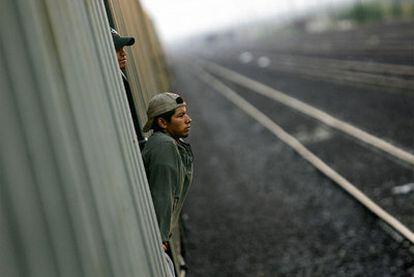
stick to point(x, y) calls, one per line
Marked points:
point(122, 58)
point(179, 126)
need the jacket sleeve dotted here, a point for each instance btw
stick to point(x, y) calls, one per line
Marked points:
point(163, 179)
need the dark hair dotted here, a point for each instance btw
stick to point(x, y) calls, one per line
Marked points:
point(166, 116)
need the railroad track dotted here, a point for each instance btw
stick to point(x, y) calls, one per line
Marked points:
point(343, 71)
point(217, 76)
point(385, 43)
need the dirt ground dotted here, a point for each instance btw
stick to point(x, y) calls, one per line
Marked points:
point(257, 209)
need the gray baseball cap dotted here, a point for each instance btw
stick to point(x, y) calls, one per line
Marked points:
point(162, 103)
point(120, 41)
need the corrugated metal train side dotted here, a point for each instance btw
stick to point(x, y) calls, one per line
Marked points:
point(74, 199)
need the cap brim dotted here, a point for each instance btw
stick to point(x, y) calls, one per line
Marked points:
point(148, 125)
point(124, 41)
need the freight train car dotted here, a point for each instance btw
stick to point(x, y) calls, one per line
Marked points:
point(74, 199)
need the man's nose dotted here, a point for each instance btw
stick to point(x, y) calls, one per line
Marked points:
point(189, 119)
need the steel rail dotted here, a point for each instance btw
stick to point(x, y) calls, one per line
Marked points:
point(341, 76)
point(356, 66)
point(305, 153)
point(377, 74)
point(311, 111)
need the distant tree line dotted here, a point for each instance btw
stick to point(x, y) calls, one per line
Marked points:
point(379, 10)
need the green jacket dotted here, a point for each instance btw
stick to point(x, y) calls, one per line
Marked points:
point(169, 167)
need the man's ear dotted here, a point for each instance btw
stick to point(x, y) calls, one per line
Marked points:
point(162, 122)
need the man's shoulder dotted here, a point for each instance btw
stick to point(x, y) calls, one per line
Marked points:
point(159, 138)
point(160, 142)
point(160, 149)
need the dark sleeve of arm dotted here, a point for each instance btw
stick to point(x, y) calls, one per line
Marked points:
point(162, 178)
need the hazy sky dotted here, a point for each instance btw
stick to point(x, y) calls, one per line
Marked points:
point(174, 18)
